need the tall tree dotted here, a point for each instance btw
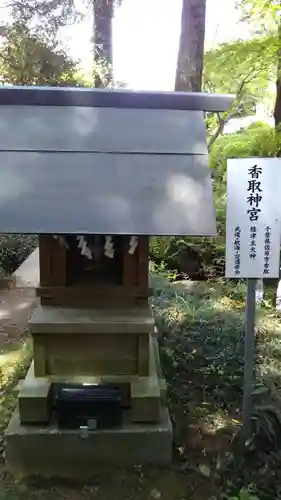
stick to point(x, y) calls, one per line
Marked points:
point(277, 108)
point(191, 46)
point(103, 11)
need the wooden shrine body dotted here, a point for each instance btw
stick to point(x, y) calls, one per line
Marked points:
point(113, 335)
point(69, 279)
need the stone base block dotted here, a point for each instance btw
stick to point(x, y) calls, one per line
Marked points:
point(143, 394)
point(50, 452)
point(91, 342)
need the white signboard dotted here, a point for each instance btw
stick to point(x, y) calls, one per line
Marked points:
point(253, 218)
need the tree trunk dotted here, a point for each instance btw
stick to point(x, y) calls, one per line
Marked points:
point(102, 39)
point(277, 109)
point(277, 118)
point(191, 46)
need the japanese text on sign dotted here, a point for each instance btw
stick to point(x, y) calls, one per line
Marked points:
point(254, 197)
point(253, 242)
point(267, 249)
point(237, 247)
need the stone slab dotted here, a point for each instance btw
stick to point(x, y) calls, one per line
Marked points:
point(145, 399)
point(146, 392)
point(48, 319)
point(50, 452)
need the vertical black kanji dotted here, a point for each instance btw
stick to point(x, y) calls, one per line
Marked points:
point(254, 196)
point(267, 250)
point(253, 243)
point(237, 249)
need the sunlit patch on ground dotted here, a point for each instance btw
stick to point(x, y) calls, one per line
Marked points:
point(11, 360)
point(12, 367)
point(228, 304)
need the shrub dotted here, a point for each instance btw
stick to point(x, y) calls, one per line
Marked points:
point(256, 140)
point(14, 249)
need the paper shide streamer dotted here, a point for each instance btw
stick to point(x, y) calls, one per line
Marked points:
point(134, 241)
point(93, 247)
point(62, 240)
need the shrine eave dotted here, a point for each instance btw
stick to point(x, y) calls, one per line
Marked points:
point(116, 98)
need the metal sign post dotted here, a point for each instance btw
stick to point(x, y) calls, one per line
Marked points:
point(249, 356)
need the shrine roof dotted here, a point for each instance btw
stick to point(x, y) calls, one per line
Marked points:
point(105, 161)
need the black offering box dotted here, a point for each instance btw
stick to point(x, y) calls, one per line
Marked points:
point(91, 406)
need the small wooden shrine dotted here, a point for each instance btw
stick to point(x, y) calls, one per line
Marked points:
point(95, 173)
point(109, 277)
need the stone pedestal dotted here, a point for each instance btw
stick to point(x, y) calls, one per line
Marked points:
point(90, 340)
point(47, 451)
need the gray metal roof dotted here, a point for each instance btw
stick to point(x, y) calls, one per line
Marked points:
point(78, 128)
point(105, 162)
point(105, 193)
point(116, 98)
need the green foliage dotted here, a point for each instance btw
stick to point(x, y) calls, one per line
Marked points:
point(244, 69)
point(26, 59)
point(44, 17)
point(259, 140)
point(14, 249)
point(158, 248)
point(241, 66)
point(263, 14)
